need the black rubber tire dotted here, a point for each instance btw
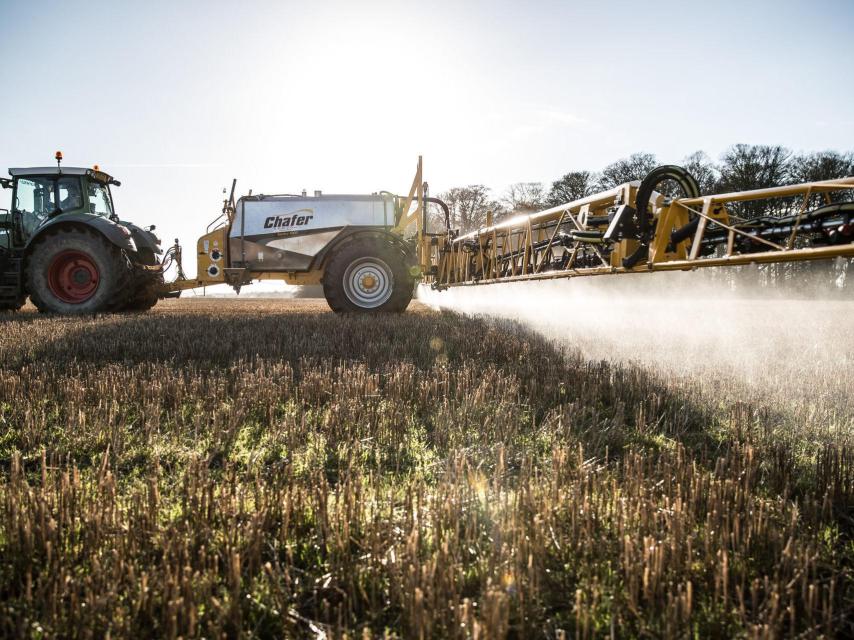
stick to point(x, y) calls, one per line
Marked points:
point(113, 272)
point(357, 248)
point(143, 289)
point(142, 299)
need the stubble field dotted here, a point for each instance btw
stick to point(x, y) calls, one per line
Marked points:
point(264, 468)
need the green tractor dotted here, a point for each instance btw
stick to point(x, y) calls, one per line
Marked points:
point(62, 244)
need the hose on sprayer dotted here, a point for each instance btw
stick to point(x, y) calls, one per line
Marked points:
point(687, 183)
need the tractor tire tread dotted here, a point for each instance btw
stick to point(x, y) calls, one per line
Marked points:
point(116, 272)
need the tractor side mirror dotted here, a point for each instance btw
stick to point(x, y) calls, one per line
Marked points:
point(5, 220)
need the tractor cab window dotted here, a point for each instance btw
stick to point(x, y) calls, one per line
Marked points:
point(99, 200)
point(35, 202)
point(70, 196)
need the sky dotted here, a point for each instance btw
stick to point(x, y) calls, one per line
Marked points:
point(177, 98)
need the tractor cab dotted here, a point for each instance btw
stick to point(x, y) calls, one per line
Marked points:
point(41, 194)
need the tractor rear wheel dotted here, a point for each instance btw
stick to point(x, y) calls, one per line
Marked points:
point(76, 271)
point(368, 275)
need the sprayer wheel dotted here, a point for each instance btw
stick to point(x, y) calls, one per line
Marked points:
point(368, 275)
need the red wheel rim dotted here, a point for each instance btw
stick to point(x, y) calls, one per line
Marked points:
point(73, 277)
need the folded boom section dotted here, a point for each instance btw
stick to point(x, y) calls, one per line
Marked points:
point(661, 223)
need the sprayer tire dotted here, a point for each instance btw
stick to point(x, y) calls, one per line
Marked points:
point(74, 271)
point(368, 275)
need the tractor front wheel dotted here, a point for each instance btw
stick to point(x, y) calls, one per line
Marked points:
point(143, 287)
point(75, 271)
point(143, 298)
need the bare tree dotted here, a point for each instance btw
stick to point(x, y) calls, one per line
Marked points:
point(525, 197)
point(824, 165)
point(744, 167)
point(571, 186)
point(469, 206)
point(699, 165)
point(635, 167)
point(832, 276)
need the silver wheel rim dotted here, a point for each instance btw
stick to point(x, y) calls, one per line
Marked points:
point(368, 282)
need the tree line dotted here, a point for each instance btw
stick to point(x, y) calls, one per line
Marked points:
point(741, 167)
